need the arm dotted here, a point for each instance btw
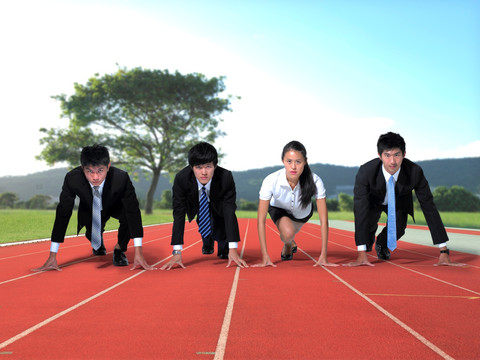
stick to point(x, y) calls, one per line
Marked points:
point(50, 264)
point(231, 222)
point(139, 260)
point(179, 208)
point(432, 216)
point(261, 220)
point(323, 215)
point(361, 206)
point(62, 218)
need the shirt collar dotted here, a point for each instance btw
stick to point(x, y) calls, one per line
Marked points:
point(100, 187)
point(387, 175)
point(207, 185)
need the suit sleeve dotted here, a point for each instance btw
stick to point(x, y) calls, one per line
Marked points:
point(132, 209)
point(63, 211)
point(361, 206)
point(229, 208)
point(179, 207)
point(432, 216)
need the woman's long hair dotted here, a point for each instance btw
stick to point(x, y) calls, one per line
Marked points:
point(306, 179)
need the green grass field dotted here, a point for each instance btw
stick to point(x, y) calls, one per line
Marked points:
point(21, 225)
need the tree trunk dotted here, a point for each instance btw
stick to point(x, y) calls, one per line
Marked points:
point(151, 192)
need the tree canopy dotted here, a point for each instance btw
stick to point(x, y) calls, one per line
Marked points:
point(147, 118)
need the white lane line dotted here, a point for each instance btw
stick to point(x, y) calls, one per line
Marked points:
point(406, 268)
point(75, 262)
point(396, 320)
point(222, 339)
point(81, 303)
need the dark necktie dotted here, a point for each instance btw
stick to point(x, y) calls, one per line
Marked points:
point(391, 220)
point(96, 219)
point(204, 226)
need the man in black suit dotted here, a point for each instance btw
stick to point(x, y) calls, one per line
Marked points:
point(370, 199)
point(116, 198)
point(203, 175)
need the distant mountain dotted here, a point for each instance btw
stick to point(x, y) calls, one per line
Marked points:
point(447, 172)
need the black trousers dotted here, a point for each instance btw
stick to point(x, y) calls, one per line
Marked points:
point(123, 232)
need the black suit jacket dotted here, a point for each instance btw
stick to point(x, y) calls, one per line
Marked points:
point(185, 201)
point(369, 195)
point(118, 200)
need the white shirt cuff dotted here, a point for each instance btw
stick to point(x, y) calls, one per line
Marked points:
point(177, 247)
point(362, 248)
point(233, 245)
point(442, 244)
point(137, 242)
point(54, 247)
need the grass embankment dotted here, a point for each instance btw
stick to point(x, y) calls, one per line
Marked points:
point(21, 225)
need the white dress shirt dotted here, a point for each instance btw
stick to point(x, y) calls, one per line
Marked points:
point(275, 187)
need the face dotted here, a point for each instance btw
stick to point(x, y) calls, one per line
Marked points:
point(294, 163)
point(96, 174)
point(204, 172)
point(392, 160)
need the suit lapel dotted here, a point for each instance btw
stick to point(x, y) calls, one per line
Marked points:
point(381, 184)
point(401, 181)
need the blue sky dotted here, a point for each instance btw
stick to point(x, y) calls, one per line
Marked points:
point(331, 74)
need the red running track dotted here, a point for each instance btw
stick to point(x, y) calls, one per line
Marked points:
point(405, 308)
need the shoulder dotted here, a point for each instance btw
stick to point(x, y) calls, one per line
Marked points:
point(185, 172)
point(220, 171)
point(370, 167)
point(275, 175)
point(74, 174)
point(317, 180)
point(117, 173)
point(411, 169)
point(184, 176)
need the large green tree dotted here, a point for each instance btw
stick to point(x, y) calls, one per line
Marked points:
point(147, 118)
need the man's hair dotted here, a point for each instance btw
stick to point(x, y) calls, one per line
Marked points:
point(390, 141)
point(202, 153)
point(95, 155)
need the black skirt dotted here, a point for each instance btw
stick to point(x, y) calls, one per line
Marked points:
point(276, 213)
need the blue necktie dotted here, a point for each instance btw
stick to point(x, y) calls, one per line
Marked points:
point(204, 226)
point(391, 220)
point(96, 219)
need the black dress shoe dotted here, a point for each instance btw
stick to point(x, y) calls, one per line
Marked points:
point(382, 252)
point(286, 257)
point(207, 250)
point(100, 251)
point(223, 255)
point(119, 258)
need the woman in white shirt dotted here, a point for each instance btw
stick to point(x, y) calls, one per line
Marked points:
point(287, 196)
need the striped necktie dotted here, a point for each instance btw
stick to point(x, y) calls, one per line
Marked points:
point(391, 220)
point(96, 219)
point(204, 226)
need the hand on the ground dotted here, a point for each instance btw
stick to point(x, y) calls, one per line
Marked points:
point(362, 259)
point(139, 260)
point(266, 262)
point(322, 261)
point(176, 259)
point(233, 256)
point(50, 264)
point(444, 260)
